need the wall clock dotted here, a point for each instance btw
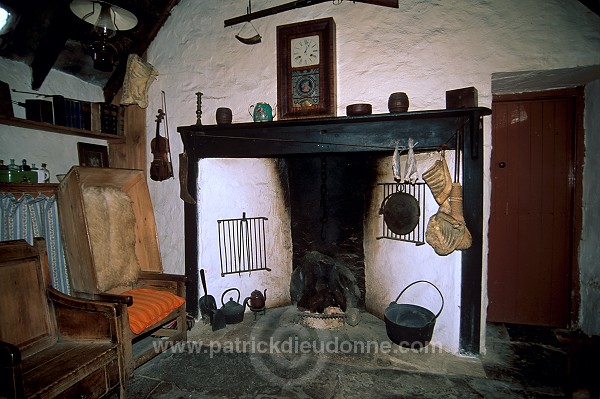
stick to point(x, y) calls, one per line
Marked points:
point(306, 69)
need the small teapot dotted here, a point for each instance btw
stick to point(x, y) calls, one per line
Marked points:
point(257, 299)
point(262, 112)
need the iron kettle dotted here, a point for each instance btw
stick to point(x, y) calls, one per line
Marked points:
point(233, 310)
point(257, 299)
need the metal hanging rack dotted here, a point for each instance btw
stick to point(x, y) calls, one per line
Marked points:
point(417, 190)
point(242, 245)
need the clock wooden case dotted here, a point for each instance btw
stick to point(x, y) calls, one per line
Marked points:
point(306, 69)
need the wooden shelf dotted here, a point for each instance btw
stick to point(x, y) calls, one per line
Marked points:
point(34, 189)
point(48, 127)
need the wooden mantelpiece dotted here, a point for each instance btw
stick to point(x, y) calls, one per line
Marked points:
point(371, 133)
point(368, 133)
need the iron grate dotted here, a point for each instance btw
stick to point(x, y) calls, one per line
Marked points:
point(417, 236)
point(242, 245)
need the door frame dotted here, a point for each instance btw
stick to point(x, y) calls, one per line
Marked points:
point(575, 178)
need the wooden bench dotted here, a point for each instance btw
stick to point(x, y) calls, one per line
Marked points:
point(51, 344)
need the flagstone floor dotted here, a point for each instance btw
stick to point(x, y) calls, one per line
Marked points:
point(276, 357)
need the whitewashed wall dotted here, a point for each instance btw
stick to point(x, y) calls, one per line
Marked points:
point(58, 151)
point(229, 188)
point(424, 48)
point(393, 265)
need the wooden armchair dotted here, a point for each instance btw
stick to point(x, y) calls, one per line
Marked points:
point(52, 344)
point(112, 254)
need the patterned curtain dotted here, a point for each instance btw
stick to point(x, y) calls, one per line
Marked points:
point(27, 217)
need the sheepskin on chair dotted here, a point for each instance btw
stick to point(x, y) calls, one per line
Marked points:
point(111, 226)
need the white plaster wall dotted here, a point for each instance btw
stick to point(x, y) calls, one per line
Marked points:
point(589, 252)
point(424, 48)
point(392, 265)
point(226, 194)
point(58, 151)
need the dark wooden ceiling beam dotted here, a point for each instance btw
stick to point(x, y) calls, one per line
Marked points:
point(297, 4)
point(50, 46)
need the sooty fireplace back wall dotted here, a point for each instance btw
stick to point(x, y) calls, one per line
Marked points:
point(327, 200)
point(374, 134)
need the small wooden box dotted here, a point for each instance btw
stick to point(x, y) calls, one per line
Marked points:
point(75, 226)
point(461, 98)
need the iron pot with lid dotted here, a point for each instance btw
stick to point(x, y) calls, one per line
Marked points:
point(233, 310)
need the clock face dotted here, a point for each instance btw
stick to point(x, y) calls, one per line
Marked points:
point(305, 51)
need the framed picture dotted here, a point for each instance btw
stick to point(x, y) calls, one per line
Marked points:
point(93, 155)
point(306, 69)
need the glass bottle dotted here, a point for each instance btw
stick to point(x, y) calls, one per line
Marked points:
point(2, 166)
point(46, 172)
point(25, 167)
point(13, 166)
point(33, 167)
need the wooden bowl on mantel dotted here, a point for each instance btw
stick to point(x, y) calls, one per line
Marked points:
point(359, 109)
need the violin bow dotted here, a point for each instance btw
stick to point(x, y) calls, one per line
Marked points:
point(164, 105)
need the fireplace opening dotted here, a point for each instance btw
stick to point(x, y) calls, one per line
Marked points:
point(328, 198)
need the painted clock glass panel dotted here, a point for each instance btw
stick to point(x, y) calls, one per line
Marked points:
point(305, 88)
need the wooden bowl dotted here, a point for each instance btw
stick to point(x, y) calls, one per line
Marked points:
point(359, 109)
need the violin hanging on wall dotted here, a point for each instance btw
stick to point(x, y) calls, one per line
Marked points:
point(161, 167)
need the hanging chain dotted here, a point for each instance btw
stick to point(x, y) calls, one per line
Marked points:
point(323, 203)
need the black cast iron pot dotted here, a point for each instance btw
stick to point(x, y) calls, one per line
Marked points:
point(410, 325)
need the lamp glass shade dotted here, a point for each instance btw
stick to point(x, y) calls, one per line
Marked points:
point(104, 25)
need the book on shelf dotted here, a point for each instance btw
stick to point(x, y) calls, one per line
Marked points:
point(75, 113)
point(38, 110)
point(86, 115)
point(96, 117)
point(109, 118)
point(59, 105)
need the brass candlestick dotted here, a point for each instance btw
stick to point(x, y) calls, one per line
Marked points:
point(199, 108)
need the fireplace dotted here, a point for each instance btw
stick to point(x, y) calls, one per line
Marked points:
point(328, 197)
point(376, 135)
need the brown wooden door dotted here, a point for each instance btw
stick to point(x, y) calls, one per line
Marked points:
point(531, 221)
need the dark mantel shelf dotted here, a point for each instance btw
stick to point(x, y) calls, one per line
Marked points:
point(380, 132)
point(429, 129)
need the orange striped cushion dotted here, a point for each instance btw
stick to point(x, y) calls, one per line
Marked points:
point(150, 307)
